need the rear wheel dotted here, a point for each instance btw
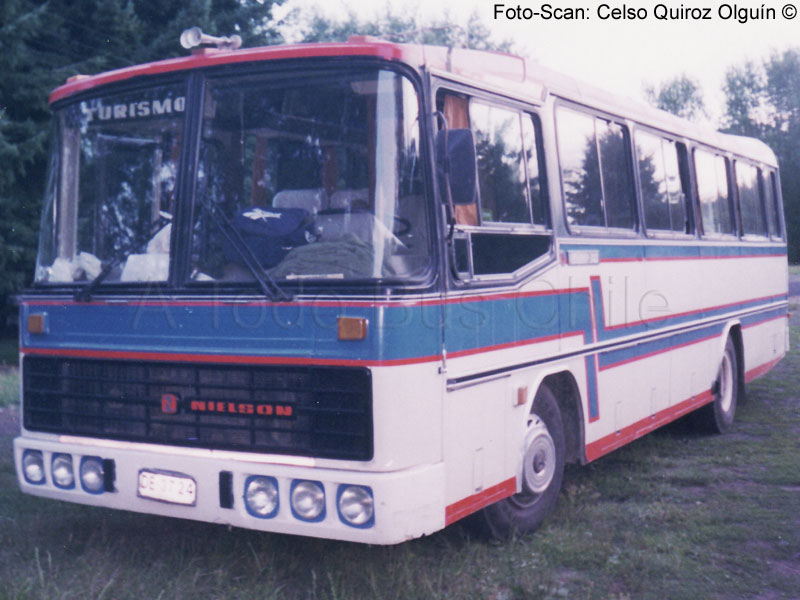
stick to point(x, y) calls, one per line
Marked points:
point(718, 415)
point(542, 473)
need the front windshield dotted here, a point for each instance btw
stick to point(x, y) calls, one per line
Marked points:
point(314, 177)
point(111, 191)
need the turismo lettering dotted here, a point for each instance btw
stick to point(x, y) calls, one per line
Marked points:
point(134, 110)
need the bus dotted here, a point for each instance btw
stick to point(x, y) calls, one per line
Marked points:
point(365, 290)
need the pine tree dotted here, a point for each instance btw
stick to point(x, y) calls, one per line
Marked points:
point(764, 101)
point(44, 43)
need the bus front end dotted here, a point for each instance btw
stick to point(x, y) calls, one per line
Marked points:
point(233, 317)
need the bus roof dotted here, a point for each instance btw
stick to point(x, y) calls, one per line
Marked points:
point(506, 73)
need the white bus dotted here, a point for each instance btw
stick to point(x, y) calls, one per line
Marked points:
point(364, 290)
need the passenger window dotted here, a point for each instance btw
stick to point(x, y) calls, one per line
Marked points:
point(712, 191)
point(751, 208)
point(659, 178)
point(767, 182)
point(595, 171)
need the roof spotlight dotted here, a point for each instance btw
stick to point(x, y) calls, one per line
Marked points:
point(194, 36)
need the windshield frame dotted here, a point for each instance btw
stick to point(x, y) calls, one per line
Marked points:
point(301, 70)
point(196, 81)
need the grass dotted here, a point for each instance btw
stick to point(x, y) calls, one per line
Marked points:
point(9, 386)
point(675, 515)
point(9, 350)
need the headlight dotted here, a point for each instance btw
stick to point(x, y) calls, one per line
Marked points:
point(308, 500)
point(62, 472)
point(92, 474)
point(261, 496)
point(356, 505)
point(33, 466)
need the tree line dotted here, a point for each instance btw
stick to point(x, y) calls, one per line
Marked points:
point(42, 43)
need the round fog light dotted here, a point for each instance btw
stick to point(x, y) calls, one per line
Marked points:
point(61, 469)
point(356, 506)
point(308, 500)
point(33, 466)
point(92, 474)
point(261, 496)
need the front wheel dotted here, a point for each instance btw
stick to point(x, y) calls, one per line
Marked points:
point(542, 474)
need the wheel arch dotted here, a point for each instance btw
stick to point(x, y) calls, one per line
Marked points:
point(565, 389)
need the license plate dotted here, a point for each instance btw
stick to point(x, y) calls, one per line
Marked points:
point(167, 487)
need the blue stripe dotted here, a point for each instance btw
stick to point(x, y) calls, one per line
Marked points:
point(613, 357)
point(667, 251)
point(591, 384)
point(395, 332)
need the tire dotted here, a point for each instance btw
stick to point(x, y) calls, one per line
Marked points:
point(717, 416)
point(542, 474)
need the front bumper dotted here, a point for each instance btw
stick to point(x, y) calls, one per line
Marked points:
point(407, 503)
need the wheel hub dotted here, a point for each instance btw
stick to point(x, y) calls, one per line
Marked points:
point(539, 464)
point(726, 384)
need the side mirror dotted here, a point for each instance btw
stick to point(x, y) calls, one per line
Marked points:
point(455, 156)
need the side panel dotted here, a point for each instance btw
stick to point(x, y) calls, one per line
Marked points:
point(642, 331)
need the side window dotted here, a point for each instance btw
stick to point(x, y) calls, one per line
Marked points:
point(595, 171)
point(712, 191)
point(508, 227)
point(539, 209)
point(501, 167)
point(751, 207)
point(768, 183)
point(663, 197)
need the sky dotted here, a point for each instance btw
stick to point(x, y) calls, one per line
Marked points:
point(620, 55)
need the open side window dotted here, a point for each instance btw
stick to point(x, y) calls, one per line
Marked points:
point(507, 228)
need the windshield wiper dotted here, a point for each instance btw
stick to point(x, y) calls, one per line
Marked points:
point(271, 289)
point(135, 247)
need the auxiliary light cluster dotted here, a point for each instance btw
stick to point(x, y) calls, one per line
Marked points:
point(355, 504)
point(307, 499)
point(94, 474)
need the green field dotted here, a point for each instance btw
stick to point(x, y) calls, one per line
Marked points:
point(675, 515)
point(9, 387)
point(9, 351)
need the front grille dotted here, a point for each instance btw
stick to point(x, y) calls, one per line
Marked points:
point(324, 412)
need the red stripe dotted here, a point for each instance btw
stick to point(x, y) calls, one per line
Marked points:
point(227, 358)
point(623, 259)
point(511, 295)
point(619, 259)
point(686, 313)
point(474, 503)
point(727, 256)
point(632, 432)
point(761, 370)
